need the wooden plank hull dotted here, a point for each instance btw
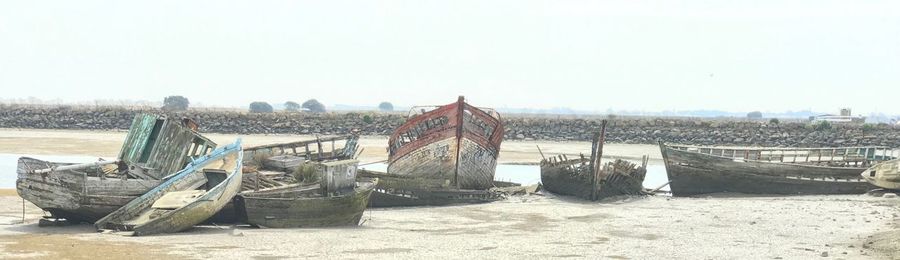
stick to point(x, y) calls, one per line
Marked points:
point(405, 191)
point(563, 180)
point(692, 173)
point(142, 215)
point(74, 195)
point(885, 175)
point(306, 208)
point(458, 143)
point(571, 178)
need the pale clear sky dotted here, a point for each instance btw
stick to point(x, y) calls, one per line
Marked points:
point(588, 55)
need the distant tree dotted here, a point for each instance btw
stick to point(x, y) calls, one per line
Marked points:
point(822, 126)
point(754, 115)
point(260, 107)
point(774, 121)
point(291, 106)
point(386, 106)
point(868, 128)
point(314, 106)
point(175, 103)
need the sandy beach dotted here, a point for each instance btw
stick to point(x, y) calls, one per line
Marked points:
point(541, 227)
point(721, 226)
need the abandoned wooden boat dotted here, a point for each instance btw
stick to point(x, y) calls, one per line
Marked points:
point(154, 147)
point(458, 143)
point(697, 170)
point(338, 199)
point(587, 179)
point(273, 166)
point(884, 175)
point(400, 191)
point(185, 199)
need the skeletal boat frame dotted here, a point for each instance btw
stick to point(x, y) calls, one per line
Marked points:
point(588, 178)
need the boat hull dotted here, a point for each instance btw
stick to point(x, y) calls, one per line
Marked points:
point(311, 210)
point(563, 180)
point(458, 143)
point(73, 195)
point(142, 217)
point(568, 178)
point(405, 191)
point(885, 175)
point(692, 173)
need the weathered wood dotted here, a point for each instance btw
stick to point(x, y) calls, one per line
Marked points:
point(154, 147)
point(591, 180)
point(694, 173)
point(885, 175)
point(404, 191)
point(457, 142)
point(142, 218)
point(299, 206)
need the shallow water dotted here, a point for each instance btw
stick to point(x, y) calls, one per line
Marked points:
point(531, 174)
point(523, 174)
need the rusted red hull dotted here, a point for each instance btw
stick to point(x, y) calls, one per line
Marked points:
point(457, 143)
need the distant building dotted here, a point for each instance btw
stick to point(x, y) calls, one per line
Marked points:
point(845, 117)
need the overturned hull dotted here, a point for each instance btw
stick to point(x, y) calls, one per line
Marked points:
point(305, 206)
point(456, 143)
point(404, 191)
point(885, 175)
point(693, 171)
point(75, 195)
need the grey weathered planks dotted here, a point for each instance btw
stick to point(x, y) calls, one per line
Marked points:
point(142, 218)
point(89, 193)
point(699, 170)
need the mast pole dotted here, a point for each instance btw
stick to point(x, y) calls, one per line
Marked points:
point(598, 153)
point(460, 103)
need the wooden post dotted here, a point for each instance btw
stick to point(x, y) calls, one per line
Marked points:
point(460, 111)
point(601, 138)
point(541, 152)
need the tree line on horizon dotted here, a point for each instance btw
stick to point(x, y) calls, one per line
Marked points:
point(181, 103)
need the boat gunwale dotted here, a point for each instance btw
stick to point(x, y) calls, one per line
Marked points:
point(362, 187)
point(667, 148)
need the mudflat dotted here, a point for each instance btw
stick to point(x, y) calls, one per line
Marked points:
point(715, 227)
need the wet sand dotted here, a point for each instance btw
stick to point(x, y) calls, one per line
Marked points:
point(716, 227)
point(374, 148)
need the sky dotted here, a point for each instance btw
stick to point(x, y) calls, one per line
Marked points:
point(585, 55)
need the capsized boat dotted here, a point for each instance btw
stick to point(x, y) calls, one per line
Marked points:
point(186, 198)
point(696, 170)
point(405, 191)
point(337, 199)
point(885, 175)
point(587, 179)
point(154, 147)
point(457, 143)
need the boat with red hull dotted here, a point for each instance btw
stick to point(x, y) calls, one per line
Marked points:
point(456, 143)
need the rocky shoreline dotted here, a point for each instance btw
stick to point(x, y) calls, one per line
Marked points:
point(631, 130)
